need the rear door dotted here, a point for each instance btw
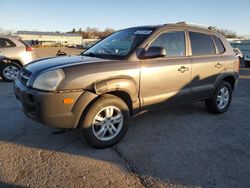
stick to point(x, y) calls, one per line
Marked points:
point(8, 48)
point(165, 81)
point(206, 64)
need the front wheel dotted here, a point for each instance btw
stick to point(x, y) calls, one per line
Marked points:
point(106, 122)
point(221, 100)
point(9, 71)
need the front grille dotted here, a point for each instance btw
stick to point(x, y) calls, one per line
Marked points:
point(24, 76)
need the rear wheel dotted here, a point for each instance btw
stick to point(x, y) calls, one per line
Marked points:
point(106, 122)
point(221, 100)
point(9, 71)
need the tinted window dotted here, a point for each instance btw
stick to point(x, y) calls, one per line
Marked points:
point(173, 42)
point(219, 44)
point(5, 43)
point(202, 44)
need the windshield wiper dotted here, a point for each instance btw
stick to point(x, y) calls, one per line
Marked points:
point(88, 54)
point(92, 55)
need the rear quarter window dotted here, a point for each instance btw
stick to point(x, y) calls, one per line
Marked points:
point(219, 44)
point(201, 44)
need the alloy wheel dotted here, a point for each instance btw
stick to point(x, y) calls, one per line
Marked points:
point(107, 123)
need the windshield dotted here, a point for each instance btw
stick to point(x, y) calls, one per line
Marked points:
point(119, 44)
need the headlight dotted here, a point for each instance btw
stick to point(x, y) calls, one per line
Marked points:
point(49, 81)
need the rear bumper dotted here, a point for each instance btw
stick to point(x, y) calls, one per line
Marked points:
point(48, 107)
point(28, 57)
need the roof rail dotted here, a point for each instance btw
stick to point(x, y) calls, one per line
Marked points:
point(197, 25)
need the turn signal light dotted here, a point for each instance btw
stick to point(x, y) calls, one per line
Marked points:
point(68, 101)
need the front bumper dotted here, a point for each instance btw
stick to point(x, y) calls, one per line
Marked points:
point(48, 107)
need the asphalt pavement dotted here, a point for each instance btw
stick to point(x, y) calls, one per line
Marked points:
point(183, 146)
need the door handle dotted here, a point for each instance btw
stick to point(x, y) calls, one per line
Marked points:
point(182, 69)
point(218, 65)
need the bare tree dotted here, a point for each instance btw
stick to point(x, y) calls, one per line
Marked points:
point(7, 31)
point(228, 33)
point(93, 32)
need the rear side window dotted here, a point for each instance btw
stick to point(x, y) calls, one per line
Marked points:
point(24, 43)
point(173, 42)
point(202, 44)
point(219, 44)
point(5, 43)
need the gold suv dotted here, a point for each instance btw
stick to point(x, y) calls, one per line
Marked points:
point(130, 71)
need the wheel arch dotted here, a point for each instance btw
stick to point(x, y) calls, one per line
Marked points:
point(231, 80)
point(17, 61)
point(227, 77)
point(7, 60)
point(125, 97)
point(123, 87)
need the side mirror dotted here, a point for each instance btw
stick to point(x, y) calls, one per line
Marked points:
point(154, 52)
point(60, 53)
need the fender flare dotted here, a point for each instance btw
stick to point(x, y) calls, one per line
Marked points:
point(119, 83)
point(225, 75)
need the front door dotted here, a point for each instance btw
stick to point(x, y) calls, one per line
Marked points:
point(165, 81)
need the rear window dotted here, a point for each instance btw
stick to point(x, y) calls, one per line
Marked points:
point(219, 44)
point(202, 44)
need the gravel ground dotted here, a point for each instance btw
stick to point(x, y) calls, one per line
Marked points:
point(45, 52)
point(176, 147)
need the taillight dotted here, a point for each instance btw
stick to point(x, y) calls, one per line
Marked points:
point(29, 49)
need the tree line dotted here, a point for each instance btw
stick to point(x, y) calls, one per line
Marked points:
point(227, 33)
point(92, 32)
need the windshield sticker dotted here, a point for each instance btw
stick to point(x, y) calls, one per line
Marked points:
point(143, 32)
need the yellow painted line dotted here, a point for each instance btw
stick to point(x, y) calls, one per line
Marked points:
point(245, 77)
point(245, 69)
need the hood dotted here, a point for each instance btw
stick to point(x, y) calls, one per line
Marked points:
point(60, 62)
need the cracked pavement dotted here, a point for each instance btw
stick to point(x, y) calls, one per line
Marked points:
point(177, 147)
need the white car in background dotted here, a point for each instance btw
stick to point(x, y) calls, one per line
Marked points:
point(14, 53)
point(238, 53)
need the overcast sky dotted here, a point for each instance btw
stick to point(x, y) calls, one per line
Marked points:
point(62, 15)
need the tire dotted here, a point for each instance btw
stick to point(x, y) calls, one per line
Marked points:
point(98, 134)
point(214, 104)
point(9, 71)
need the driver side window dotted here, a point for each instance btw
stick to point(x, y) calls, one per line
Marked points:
point(173, 42)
